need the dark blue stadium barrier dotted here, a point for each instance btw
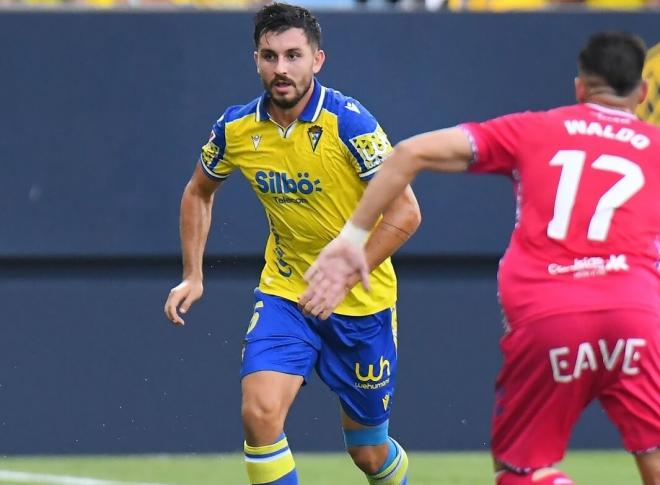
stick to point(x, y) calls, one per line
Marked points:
point(101, 119)
point(102, 116)
point(89, 365)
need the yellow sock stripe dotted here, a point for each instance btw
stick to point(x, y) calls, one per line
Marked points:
point(268, 463)
point(395, 472)
point(265, 450)
point(267, 470)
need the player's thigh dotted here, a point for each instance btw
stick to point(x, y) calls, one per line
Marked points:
point(268, 395)
point(266, 399)
point(279, 339)
point(549, 374)
point(358, 361)
point(631, 397)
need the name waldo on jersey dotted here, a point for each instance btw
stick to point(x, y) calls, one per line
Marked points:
point(594, 128)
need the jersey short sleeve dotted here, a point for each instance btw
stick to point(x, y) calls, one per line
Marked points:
point(365, 140)
point(495, 143)
point(214, 158)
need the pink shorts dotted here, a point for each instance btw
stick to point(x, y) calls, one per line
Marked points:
point(555, 366)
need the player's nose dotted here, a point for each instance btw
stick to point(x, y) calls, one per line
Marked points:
point(281, 66)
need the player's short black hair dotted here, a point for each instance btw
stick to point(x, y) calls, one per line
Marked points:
point(279, 17)
point(615, 57)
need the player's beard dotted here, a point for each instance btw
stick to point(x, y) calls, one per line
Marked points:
point(297, 93)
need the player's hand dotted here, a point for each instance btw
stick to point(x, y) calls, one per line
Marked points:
point(180, 299)
point(338, 267)
point(311, 306)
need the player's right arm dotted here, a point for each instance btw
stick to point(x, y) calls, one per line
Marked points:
point(194, 224)
point(195, 221)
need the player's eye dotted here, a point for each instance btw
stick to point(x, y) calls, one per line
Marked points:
point(294, 55)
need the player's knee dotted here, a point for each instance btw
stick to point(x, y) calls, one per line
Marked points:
point(649, 467)
point(369, 459)
point(262, 414)
point(542, 476)
point(368, 447)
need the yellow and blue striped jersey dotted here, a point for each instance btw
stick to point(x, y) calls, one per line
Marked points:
point(309, 178)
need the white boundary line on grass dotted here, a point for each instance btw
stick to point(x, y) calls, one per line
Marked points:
point(42, 478)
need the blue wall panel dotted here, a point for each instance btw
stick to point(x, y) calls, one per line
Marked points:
point(103, 116)
point(90, 365)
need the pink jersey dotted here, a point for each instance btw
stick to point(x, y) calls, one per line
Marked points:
point(587, 184)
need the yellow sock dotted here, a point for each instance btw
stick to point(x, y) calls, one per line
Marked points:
point(271, 464)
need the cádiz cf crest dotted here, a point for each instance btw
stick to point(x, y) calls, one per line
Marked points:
point(256, 139)
point(649, 109)
point(314, 134)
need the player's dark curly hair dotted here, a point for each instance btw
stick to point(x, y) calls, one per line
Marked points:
point(279, 17)
point(615, 57)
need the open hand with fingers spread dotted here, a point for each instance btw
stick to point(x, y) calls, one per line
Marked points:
point(181, 298)
point(338, 267)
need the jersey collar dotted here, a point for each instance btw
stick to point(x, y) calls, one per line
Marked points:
point(309, 114)
point(611, 111)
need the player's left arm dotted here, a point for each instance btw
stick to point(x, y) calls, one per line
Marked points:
point(488, 147)
point(447, 150)
point(399, 222)
point(346, 259)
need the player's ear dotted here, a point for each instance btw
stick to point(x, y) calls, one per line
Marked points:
point(580, 90)
point(319, 59)
point(643, 91)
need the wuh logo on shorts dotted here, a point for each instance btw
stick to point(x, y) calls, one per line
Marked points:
point(370, 375)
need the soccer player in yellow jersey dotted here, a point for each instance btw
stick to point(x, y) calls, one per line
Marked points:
point(308, 152)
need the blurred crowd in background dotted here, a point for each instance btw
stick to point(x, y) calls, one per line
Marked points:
point(432, 5)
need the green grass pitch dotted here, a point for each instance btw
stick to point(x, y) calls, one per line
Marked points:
point(587, 468)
